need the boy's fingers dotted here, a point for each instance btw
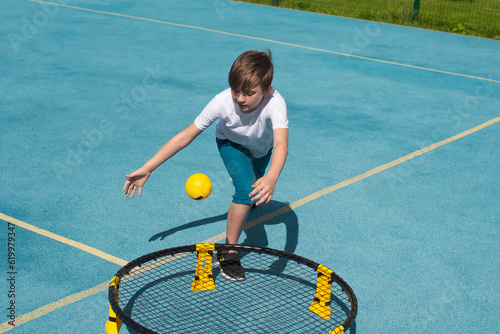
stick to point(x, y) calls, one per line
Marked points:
point(264, 200)
point(258, 196)
point(256, 193)
point(255, 190)
point(261, 192)
point(263, 196)
point(252, 196)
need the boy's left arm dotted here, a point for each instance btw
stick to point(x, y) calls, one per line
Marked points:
point(264, 187)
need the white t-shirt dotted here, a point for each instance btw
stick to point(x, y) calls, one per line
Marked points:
point(254, 130)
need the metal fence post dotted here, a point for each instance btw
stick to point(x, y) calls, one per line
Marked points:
point(416, 9)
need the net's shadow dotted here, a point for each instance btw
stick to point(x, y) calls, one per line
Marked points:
point(256, 235)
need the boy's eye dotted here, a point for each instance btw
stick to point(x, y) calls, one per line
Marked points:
point(236, 93)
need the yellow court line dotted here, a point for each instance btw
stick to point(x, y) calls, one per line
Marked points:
point(103, 286)
point(64, 240)
point(267, 40)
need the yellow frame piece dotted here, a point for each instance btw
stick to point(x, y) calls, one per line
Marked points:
point(114, 323)
point(322, 298)
point(203, 278)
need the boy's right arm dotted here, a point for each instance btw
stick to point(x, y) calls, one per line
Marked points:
point(137, 179)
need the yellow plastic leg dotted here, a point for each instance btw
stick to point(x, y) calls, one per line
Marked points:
point(114, 323)
point(338, 330)
point(322, 298)
point(203, 279)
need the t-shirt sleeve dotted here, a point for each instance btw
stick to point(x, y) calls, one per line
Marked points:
point(208, 115)
point(279, 118)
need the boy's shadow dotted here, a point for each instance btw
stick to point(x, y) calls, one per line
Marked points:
point(256, 235)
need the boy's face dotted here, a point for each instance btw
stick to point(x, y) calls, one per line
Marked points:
point(251, 100)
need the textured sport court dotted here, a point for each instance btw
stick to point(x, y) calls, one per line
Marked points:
point(391, 179)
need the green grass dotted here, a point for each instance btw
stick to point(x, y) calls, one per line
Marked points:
point(479, 18)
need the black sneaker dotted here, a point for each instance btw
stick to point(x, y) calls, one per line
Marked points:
point(230, 266)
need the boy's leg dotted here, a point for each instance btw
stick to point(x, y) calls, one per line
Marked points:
point(236, 218)
point(240, 168)
point(244, 170)
point(260, 164)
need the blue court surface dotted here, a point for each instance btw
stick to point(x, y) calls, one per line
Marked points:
point(392, 178)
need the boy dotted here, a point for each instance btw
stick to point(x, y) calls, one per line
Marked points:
point(251, 124)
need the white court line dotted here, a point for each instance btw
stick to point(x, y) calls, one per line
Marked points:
point(266, 40)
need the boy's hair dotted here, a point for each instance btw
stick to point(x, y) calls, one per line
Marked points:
point(251, 69)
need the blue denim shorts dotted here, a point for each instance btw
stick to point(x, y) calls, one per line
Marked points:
point(243, 168)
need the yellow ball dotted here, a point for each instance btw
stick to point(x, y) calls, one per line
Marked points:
point(198, 186)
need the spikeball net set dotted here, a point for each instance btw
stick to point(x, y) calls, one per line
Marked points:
point(177, 290)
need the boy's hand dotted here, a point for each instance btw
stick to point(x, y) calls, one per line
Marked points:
point(263, 189)
point(135, 180)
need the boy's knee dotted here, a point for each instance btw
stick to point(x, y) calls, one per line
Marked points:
point(241, 195)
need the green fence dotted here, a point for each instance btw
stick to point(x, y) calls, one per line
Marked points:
point(470, 17)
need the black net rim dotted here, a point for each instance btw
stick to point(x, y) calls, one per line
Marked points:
point(114, 286)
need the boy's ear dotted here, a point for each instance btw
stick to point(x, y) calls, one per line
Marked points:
point(268, 90)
